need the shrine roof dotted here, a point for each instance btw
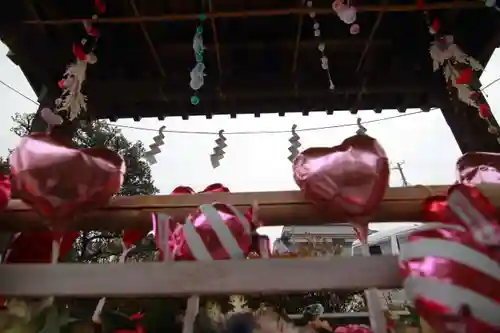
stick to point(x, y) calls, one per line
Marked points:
point(261, 56)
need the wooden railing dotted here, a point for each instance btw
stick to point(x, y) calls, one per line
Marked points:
point(219, 277)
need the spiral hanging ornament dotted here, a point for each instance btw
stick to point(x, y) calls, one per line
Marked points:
point(198, 72)
point(294, 144)
point(154, 149)
point(218, 150)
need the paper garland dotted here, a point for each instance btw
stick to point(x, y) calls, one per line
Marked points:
point(219, 152)
point(198, 72)
point(321, 46)
point(458, 70)
point(154, 149)
point(294, 144)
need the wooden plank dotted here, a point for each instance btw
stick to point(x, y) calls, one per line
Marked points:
point(270, 276)
point(275, 209)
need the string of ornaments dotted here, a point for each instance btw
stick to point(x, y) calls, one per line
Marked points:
point(461, 72)
point(198, 72)
point(72, 101)
point(321, 45)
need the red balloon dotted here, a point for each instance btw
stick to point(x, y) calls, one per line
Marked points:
point(36, 247)
point(451, 270)
point(60, 181)
point(350, 178)
point(353, 329)
point(215, 232)
point(5, 191)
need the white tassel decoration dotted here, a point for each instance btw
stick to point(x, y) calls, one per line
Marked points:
point(219, 152)
point(294, 144)
point(154, 149)
point(72, 99)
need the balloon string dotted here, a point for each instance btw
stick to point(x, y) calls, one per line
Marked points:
point(96, 316)
point(192, 308)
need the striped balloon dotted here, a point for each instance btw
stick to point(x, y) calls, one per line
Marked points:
point(451, 269)
point(214, 232)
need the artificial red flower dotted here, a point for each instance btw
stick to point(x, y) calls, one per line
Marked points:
point(465, 77)
point(484, 111)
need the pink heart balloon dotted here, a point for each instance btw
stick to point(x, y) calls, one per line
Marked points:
point(479, 168)
point(350, 178)
point(59, 181)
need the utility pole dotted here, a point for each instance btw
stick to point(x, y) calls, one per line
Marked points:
point(399, 168)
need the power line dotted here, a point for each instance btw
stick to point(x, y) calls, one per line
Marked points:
point(249, 132)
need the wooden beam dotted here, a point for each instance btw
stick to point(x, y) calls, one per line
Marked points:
point(270, 87)
point(272, 276)
point(275, 209)
point(263, 13)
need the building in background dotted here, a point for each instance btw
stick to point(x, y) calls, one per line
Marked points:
point(339, 234)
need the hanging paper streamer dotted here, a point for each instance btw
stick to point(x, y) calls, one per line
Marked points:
point(154, 149)
point(218, 150)
point(347, 14)
point(294, 144)
point(461, 72)
point(198, 72)
point(321, 45)
point(361, 129)
point(72, 100)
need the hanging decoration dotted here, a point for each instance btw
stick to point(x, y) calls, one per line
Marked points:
point(321, 45)
point(294, 144)
point(347, 14)
point(219, 152)
point(70, 182)
point(460, 72)
point(198, 72)
point(351, 177)
point(154, 149)
point(451, 268)
point(72, 101)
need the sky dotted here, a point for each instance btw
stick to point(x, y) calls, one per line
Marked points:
point(423, 142)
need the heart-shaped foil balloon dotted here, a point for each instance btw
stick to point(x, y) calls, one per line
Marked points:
point(451, 268)
point(214, 232)
point(60, 181)
point(479, 168)
point(350, 179)
point(353, 329)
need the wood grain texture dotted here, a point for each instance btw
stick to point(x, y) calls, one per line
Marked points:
point(275, 209)
point(199, 278)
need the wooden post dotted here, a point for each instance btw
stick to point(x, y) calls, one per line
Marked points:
point(469, 130)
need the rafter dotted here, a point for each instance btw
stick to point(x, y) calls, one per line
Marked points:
point(148, 40)
point(365, 53)
point(269, 12)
